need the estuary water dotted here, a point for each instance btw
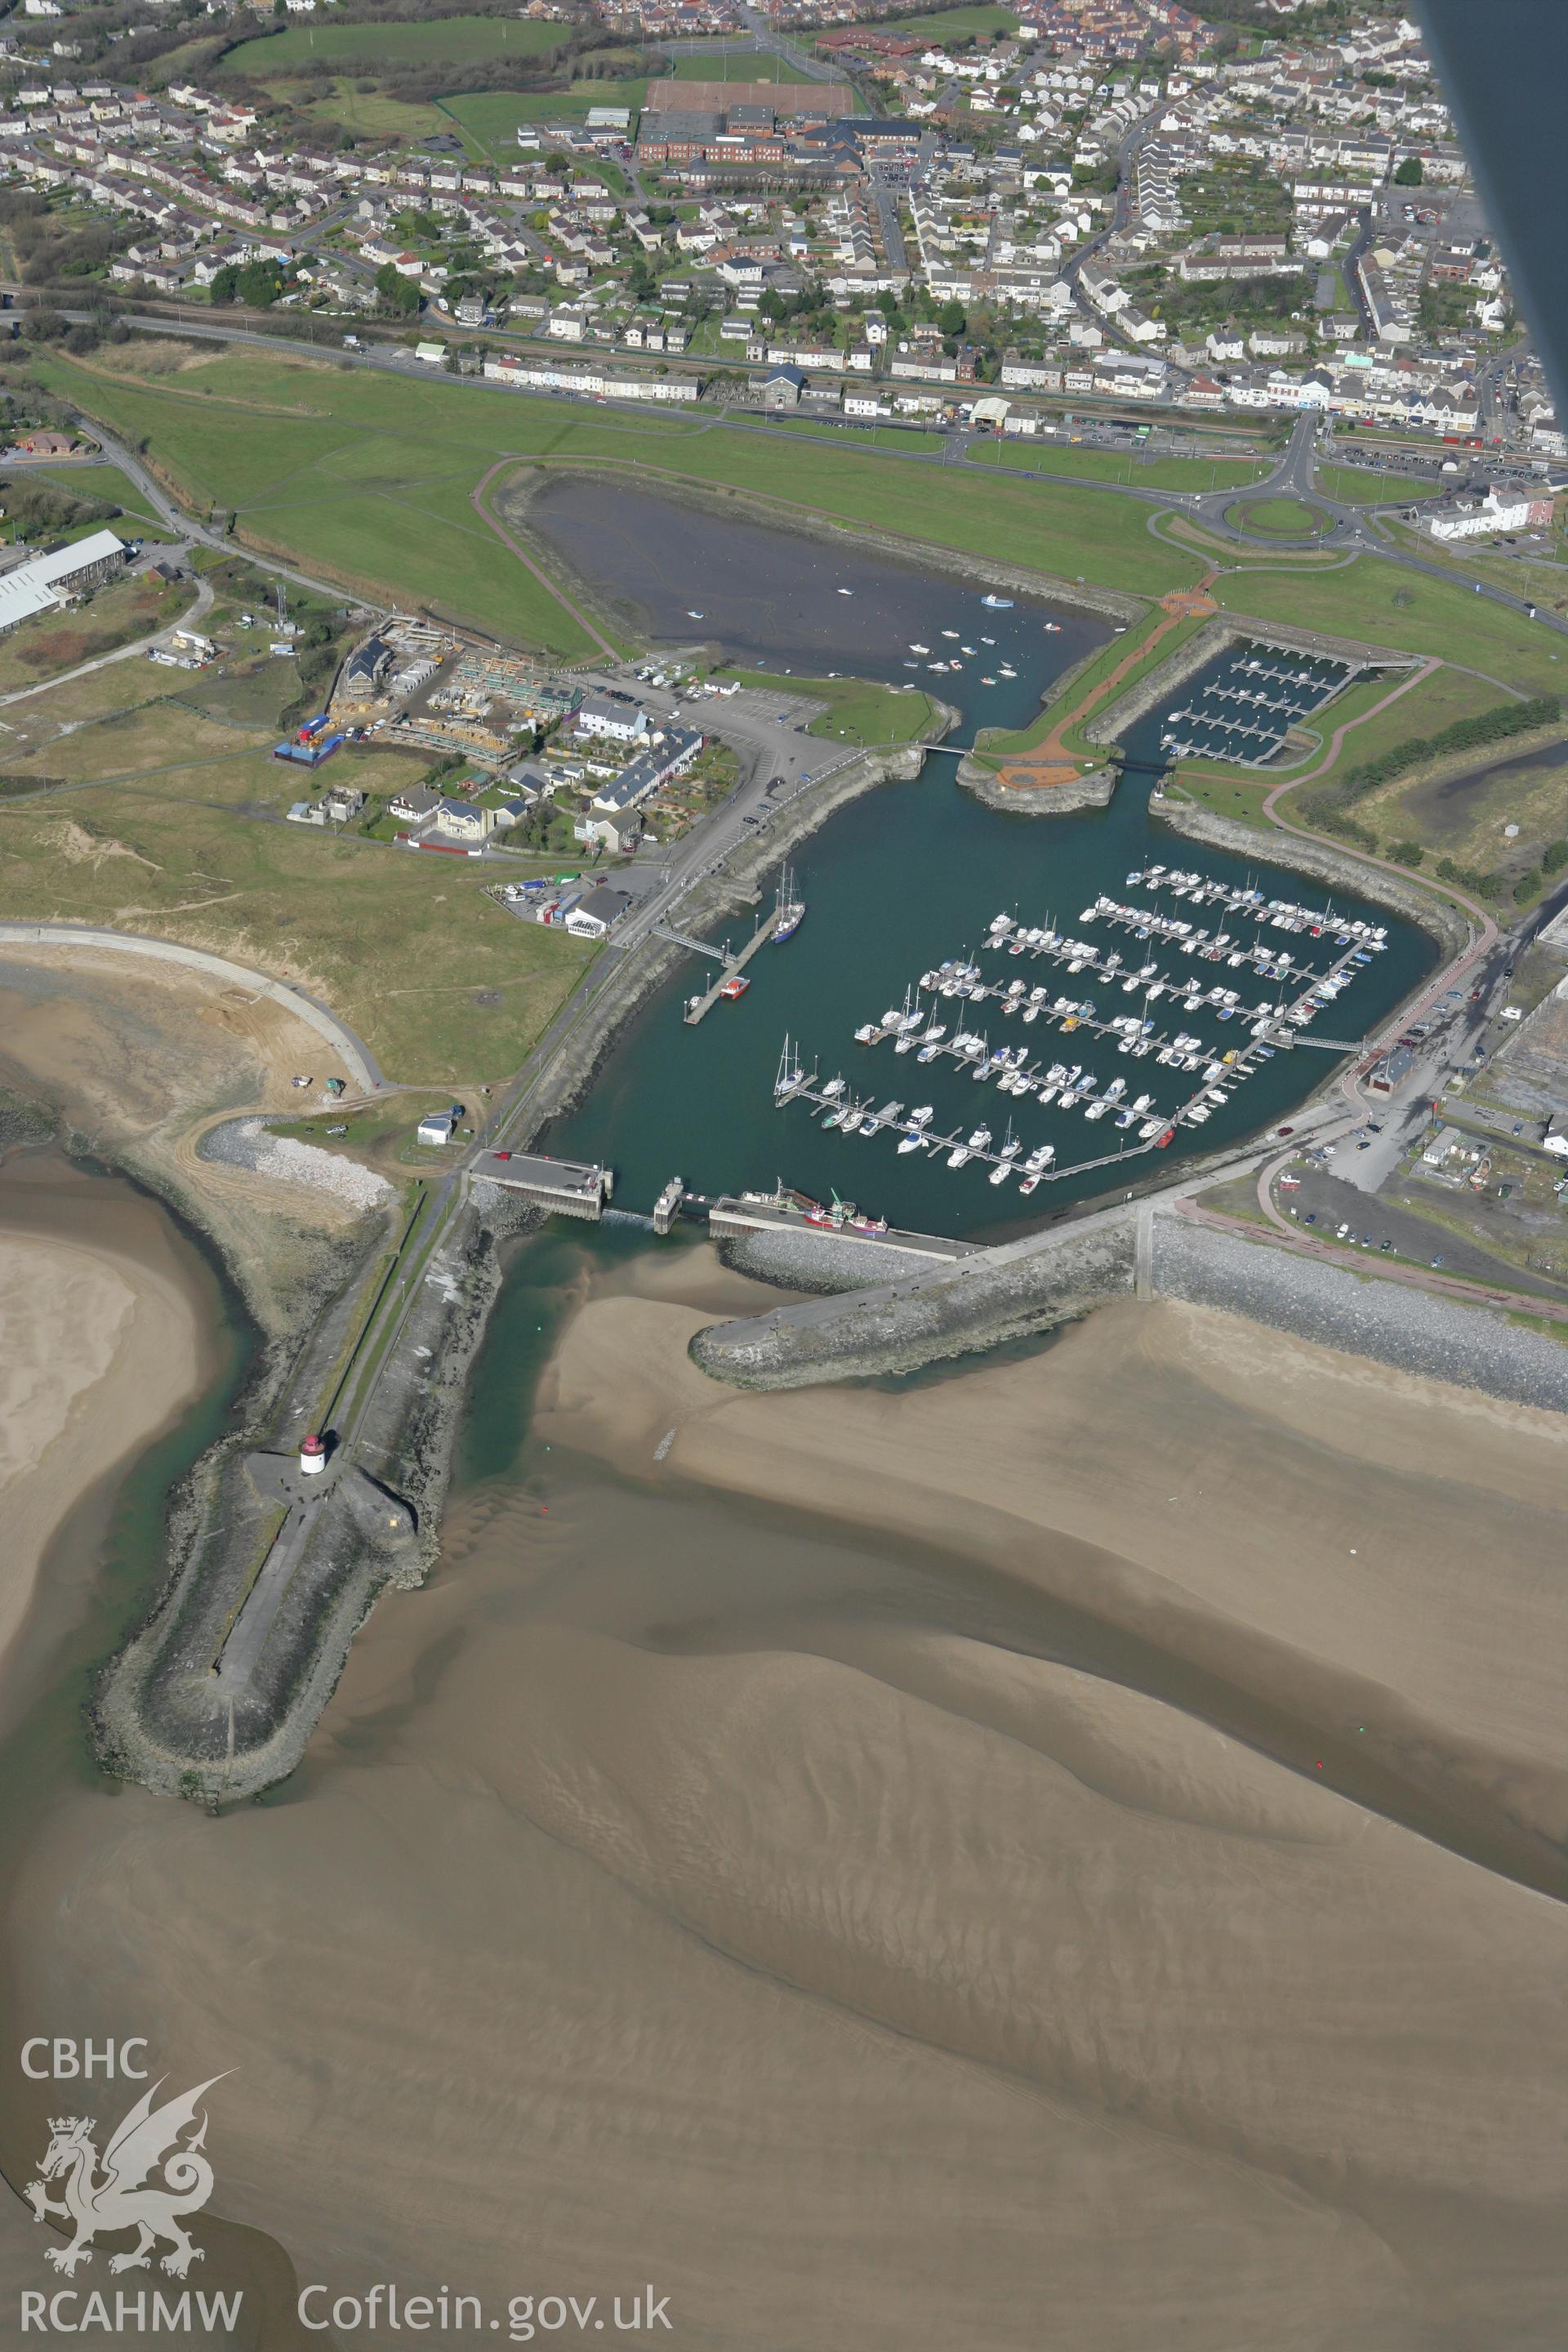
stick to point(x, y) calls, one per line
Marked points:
point(896, 882)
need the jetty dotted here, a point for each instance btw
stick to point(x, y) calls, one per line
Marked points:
point(734, 1214)
point(568, 1188)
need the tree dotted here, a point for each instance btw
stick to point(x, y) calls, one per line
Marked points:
point(259, 285)
point(951, 319)
point(1410, 173)
point(399, 293)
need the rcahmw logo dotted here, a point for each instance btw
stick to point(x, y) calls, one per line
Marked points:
point(152, 2174)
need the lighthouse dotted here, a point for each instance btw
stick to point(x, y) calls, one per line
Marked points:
point(313, 1457)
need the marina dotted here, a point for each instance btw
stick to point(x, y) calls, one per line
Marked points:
point(1243, 706)
point(898, 879)
point(1302, 989)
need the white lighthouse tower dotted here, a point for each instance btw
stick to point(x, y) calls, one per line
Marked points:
point(313, 1457)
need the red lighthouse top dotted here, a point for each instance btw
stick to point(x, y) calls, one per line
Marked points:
point(311, 1445)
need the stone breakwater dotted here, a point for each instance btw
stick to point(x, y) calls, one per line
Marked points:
point(1149, 1250)
point(950, 1308)
point(163, 1714)
point(249, 1143)
point(1438, 917)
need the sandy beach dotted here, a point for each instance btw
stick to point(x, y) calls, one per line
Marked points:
point(101, 1345)
point(867, 1872)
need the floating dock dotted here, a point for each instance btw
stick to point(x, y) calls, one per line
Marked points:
point(731, 964)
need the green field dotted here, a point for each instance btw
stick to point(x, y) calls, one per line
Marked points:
point(951, 25)
point(1241, 799)
point(368, 478)
point(491, 119)
point(105, 482)
point(737, 65)
point(405, 948)
point(434, 41)
point(1359, 486)
point(1357, 601)
point(1436, 703)
point(371, 114)
point(1280, 518)
point(164, 814)
point(1046, 456)
point(910, 438)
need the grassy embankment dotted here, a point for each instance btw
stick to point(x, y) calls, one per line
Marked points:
point(366, 479)
point(859, 710)
point(996, 744)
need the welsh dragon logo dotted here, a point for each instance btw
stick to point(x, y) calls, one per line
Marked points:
point(122, 2196)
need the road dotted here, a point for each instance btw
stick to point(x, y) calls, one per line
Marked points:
point(358, 1060)
point(885, 196)
point(775, 43)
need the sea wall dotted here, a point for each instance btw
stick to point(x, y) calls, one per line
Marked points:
point(1411, 1330)
point(1152, 1251)
point(950, 1310)
point(1325, 862)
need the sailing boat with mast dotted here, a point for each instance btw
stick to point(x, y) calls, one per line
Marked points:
point(791, 908)
point(791, 1075)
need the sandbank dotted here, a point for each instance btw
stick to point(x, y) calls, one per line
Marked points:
point(98, 1351)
